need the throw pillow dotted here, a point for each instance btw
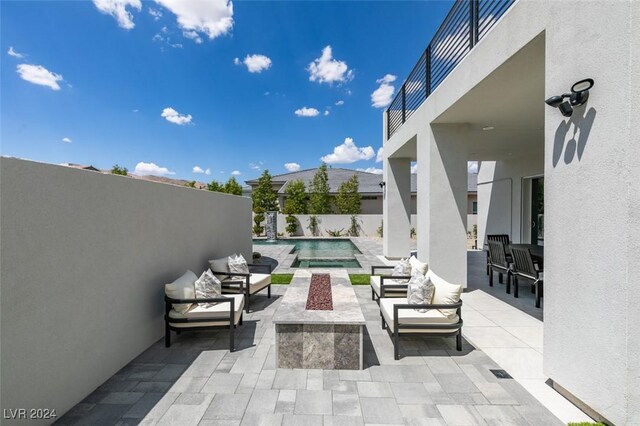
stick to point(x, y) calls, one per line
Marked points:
point(402, 269)
point(182, 288)
point(207, 287)
point(219, 265)
point(445, 294)
point(417, 265)
point(238, 264)
point(420, 291)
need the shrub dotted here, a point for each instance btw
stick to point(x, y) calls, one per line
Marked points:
point(354, 229)
point(412, 233)
point(380, 230)
point(258, 218)
point(336, 232)
point(292, 225)
point(313, 225)
point(117, 170)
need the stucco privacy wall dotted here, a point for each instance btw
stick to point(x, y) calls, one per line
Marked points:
point(368, 224)
point(591, 323)
point(84, 259)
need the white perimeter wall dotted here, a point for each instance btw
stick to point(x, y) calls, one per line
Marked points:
point(84, 260)
point(369, 224)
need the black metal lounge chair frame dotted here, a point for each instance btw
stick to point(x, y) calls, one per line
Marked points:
point(231, 326)
point(244, 283)
point(395, 335)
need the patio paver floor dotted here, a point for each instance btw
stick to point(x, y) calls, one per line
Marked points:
point(198, 381)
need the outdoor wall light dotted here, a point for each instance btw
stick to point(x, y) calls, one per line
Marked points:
point(578, 96)
point(382, 184)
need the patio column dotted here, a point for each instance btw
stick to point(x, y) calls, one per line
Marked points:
point(396, 207)
point(442, 201)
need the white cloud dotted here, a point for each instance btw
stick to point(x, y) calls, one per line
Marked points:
point(326, 112)
point(118, 9)
point(193, 35)
point(254, 166)
point(472, 167)
point(136, 110)
point(199, 170)
point(383, 95)
point(379, 156)
point(373, 170)
point(212, 18)
point(37, 74)
point(236, 173)
point(237, 61)
point(307, 112)
point(255, 63)
point(348, 152)
point(145, 169)
point(326, 69)
point(340, 103)
point(13, 53)
point(67, 140)
point(155, 13)
point(414, 168)
point(292, 167)
point(172, 116)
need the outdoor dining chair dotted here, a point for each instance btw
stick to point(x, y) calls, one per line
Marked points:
point(524, 268)
point(499, 263)
point(504, 239)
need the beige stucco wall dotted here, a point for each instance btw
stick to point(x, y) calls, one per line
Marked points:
point(84, 260)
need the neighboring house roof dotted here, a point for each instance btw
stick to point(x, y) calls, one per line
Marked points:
point(369, 183)
point(83, 167)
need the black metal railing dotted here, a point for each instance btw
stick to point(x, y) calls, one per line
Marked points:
point(468, 22)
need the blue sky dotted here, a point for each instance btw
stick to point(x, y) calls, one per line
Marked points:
point(156, 85)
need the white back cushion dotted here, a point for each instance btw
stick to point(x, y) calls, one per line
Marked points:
point(416, 265)
point(182, 288)
point(207, 287)
point(446, 293)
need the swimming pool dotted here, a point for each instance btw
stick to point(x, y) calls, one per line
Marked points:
point(319, 253)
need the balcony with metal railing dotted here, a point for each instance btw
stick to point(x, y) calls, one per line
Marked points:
point(467, 22)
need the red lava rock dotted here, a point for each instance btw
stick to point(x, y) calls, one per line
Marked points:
point(319, 298)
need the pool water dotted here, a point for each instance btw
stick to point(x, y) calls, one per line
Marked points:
point(320, 253)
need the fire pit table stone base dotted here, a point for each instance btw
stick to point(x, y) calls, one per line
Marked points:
point(326, 339)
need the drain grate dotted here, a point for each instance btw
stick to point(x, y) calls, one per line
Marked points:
point(501, 374)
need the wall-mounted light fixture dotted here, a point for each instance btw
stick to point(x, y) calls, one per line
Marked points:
point(578, 96)
point(382, 184)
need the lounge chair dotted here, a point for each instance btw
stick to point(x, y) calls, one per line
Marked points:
point(442, 318)
point(186, 313)
point(242, 283)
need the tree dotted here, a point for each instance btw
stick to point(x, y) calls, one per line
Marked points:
point(319, 202)
point(264, 197)
point(232, 187)
point(191, 184)
point(296, 201)
point(117, 170)
point(215, 186)
point(348, 197)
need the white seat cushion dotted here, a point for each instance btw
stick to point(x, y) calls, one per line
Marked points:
point(445, 294)
point(256, 281)
point(392, 292)
point(219, 313)
point(411, 316)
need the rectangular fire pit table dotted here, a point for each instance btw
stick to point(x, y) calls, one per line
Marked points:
point(329, 339)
